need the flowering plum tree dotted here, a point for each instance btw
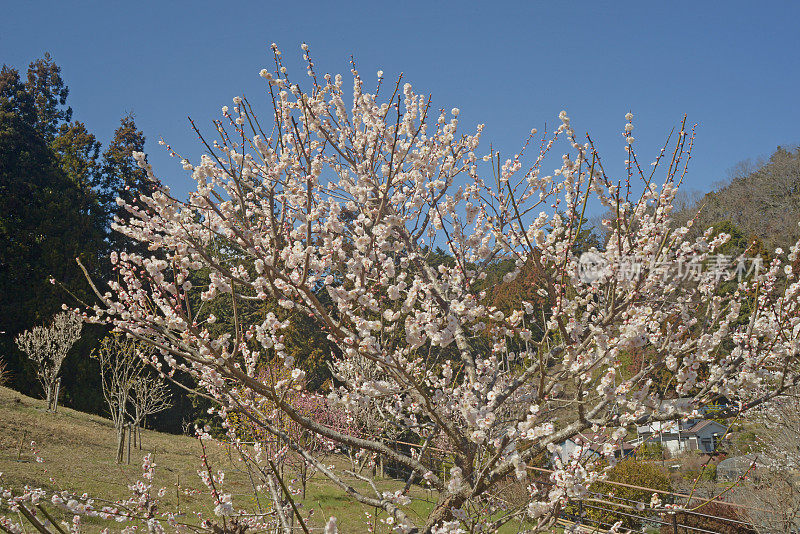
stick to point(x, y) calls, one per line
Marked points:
point(333, 210)
point(48, 346)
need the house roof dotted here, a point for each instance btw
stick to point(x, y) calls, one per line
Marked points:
point(704, 424)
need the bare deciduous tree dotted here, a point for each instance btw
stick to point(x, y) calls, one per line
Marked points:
point(773, 494)
point(4, 373)
point(149, 395)
point(120, 367)
point(48, 346)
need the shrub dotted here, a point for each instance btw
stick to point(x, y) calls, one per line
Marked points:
point(650, 451)
point(630, 471)
point(5, 374)
point(713, 516)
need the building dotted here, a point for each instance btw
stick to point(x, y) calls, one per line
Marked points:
point(678, 436)
point(592, 446)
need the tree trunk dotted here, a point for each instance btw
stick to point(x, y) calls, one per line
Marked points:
point(57, 394)
point(120, 442)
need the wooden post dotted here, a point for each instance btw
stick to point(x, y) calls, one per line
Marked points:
point(177, 491)
point(675, 523)
point(21, 442)
point(130, 428)
point(55, 396)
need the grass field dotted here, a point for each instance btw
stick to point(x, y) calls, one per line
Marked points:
point(78, 451)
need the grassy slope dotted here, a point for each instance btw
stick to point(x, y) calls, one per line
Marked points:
point(78, 452)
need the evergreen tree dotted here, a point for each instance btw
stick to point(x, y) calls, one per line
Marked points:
point(49, 215)
point(49, 94)
point(78, 153)
point(122, 177)
point(14, 98)
point(42, 231)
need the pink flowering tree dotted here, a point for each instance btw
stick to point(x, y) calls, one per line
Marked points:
point(312, 405)
point(333, 205)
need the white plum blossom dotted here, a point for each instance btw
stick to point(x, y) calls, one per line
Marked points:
point(337, 211)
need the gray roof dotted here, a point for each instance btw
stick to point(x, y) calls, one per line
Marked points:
point(703, 424)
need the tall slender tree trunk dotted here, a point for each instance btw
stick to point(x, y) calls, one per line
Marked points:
point(49, 396)
point(120, 442)
point(56, 393)
point(120, 425)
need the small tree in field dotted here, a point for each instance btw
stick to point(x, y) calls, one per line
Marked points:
point(149, 396)
point(131, 392)
point(335, 210)
point(48, 346)
point(120, 367)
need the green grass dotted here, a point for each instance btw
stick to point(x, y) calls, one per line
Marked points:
point(79, 450)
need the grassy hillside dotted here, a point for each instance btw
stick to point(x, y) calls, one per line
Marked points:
point(78, 451)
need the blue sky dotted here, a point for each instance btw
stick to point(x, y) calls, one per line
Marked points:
point(733, 67)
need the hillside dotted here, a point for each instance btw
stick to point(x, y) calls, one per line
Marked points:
point(78, 453)
point(761, 198)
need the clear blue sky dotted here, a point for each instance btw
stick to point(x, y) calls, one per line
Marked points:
point(733, 67)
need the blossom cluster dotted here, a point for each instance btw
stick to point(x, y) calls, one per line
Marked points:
point(336, 210)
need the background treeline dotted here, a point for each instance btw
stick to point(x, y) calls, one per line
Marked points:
point(760, 200)
point(58, 190)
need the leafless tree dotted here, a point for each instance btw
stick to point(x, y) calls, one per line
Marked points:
point(149, 395)
point(760, 197)
point(772, 493)
point(4, 373)
point(48, 346)
point(120, 367)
